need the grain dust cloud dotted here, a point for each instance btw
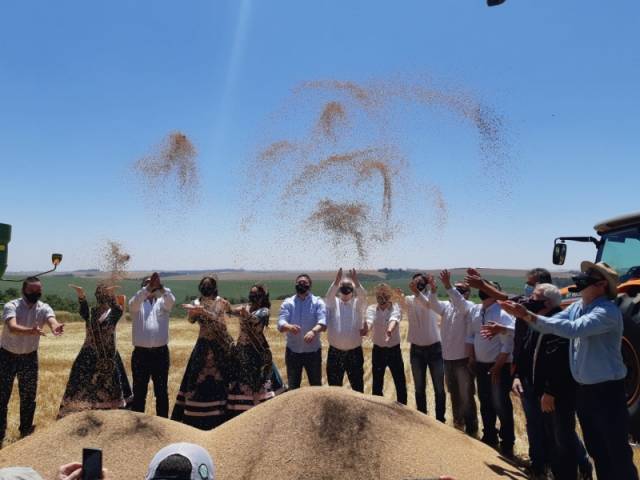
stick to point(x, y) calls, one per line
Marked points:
point(336, 163)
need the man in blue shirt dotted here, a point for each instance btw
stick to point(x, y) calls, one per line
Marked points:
point(594, 326)
point(303, 318)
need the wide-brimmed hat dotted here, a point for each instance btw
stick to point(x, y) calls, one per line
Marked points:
point(609, 274)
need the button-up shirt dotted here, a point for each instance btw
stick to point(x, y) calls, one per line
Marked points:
point(454, 323)
point(306, 313)
point(595, 333)
point(487, 350)
point(26, 316)
point(345, 319)
point(378, 320)
point(423, 323)
point(151, 318)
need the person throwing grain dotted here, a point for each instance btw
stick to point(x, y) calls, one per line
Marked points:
point(303, 318)
point(23, 321)
point(150, 309)
point(346, 303)
point(383, 319)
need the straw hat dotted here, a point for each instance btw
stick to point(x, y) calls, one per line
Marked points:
point(609, 274)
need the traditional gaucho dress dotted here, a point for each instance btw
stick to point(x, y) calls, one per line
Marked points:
point(202, 399)
point(98, 379)
point(255, 378)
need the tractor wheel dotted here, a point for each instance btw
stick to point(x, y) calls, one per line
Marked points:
point(630, 307)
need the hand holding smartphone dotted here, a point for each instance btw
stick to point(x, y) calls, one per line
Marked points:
point(91, 464)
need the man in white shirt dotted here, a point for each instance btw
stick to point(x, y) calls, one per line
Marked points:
point(346, 302)
point(303, 319)
point(150, 309)
point(383, 319)
point(426, 348)
point(23, 320)
point(454, 323)
point(491, 358)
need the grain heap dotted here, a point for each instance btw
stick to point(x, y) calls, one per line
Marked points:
point(333, 433)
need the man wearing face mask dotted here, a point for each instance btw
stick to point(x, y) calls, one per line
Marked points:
point(346, 303)
point(24, 319)
point(303, 318)
point(150, 309)
point(426, 347)
point(454, 320)
point(524, 343)
point(594, 328)
point(491, 359)
point(383, 319)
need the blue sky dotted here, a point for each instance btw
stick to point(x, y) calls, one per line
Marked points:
point(86, 88)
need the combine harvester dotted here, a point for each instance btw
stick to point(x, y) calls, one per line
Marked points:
point(619, 246)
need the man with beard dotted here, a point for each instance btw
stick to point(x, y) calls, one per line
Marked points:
point(303, 318)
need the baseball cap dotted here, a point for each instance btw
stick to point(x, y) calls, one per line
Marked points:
point(181, 461)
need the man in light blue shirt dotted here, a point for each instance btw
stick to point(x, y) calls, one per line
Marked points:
point(303, 318)
point(594, 326)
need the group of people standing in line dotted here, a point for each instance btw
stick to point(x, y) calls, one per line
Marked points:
point(558, 362)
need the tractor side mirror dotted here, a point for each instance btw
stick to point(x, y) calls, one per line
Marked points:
point(56, 259)
point(559, 253)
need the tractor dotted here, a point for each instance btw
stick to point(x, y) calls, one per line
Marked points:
point(618, 244)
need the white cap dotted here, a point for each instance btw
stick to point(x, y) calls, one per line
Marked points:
point(202, 467)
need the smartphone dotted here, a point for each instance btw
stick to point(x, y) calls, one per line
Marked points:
point(91, 464)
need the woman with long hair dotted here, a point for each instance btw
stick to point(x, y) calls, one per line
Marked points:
point(255, 378)
point(202, 399)
point(97, 379)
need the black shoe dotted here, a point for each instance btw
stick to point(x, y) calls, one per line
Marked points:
point(507, 451)
point(491, 441)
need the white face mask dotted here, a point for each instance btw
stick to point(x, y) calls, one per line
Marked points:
point(528, 290)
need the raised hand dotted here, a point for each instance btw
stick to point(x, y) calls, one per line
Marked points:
point(338, 276)
point(79, 291)
point(445, 278)
point(473, 278)
point(154, 283)
point(432, 283)
point(492, 329)
point(413, 286)
point(57, 329)
point(354, 277)
point(515, 309)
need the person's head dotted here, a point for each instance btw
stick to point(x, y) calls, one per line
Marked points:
point(383, 293)
point(31, 289)
point(534, 277)
point(463, 289)
point(208, 287)
point(104, 295)
point(422, 280)
point(545, 297)
point(181, 461)
point(303, 284)
point(259, 297)
point(596, 280)
point(346, 289)
point(488, 299)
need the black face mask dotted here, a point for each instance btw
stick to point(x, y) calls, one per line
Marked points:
point(462, 291)
point(209, 291)
point(346, 289)
point(421, 286)
point(32, 297)
point(382, 300)
point(483, 296)
point(583, 281)
point(104, 299)
point(534, 305)
point(254, 297)
point(302, 288)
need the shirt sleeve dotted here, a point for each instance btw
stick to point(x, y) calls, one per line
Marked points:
point(285, 314)
point(48, 312)
point(168, 300)
point(321, 313)
point(370, 315)
point(396, 313)
point(596, 322)
point(458, 300)
point(9, 311)
point(135, 303)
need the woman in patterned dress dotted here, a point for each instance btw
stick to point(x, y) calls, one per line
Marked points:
point(255, 378)
point(202, 399)
point(97, 379)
